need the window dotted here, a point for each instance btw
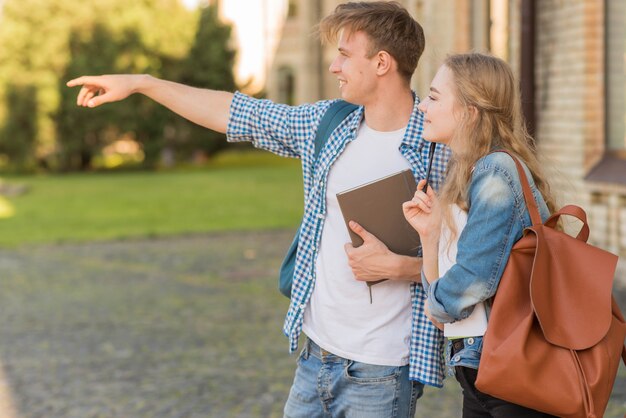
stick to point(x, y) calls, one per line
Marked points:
point(292, 9)
point(499, 28)
point(616, 77)
point(286, 86)
point(612, 167)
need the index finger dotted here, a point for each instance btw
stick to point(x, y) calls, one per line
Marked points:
point(80, 81)
point(430, 192)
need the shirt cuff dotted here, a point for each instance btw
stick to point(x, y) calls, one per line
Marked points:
point(437, 310)
point(237, 128)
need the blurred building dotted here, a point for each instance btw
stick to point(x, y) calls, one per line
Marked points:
point(570, 58)
point(257, 25)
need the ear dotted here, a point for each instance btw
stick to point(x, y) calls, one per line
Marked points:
point(472, 113)
point(384, 62)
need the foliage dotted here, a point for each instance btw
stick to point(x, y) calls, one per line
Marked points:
point(18, 134)
point(46, 42)
point(83, 132)
point(208, 65)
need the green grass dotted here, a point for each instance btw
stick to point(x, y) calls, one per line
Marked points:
point(236, 192)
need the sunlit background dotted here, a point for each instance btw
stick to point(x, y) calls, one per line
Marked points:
point(568, 56)
point(256, 34)
point(138, 251)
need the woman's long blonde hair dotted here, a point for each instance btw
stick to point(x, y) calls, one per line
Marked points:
point(487, 84)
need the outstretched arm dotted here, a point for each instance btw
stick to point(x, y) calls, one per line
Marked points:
point(208, 108)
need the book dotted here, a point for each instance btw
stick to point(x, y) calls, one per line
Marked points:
point(377, 207)
point(473, 325)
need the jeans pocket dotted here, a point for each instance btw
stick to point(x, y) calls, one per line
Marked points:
point(304, 354)
point(364, 373)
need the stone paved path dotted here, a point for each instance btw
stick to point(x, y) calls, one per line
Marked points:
point(177, 327)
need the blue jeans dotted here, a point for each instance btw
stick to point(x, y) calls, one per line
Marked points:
point(329, 386)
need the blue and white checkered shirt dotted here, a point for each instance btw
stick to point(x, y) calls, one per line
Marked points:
point(290, 131)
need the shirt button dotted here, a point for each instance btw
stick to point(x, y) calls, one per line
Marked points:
point(456, 358)
point(303, 306)
point(470, 341)
point(321, 215)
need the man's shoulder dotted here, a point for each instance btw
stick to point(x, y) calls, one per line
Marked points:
point(248, 108)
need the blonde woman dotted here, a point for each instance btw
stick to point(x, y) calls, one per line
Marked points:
point(469, 228)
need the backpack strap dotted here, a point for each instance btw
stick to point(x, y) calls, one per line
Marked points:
point(531, 205)
point(334, 115)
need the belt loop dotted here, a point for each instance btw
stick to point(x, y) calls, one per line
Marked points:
point(457, 345)
point(307, 349)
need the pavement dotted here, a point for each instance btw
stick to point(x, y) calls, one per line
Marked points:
point(176, 327)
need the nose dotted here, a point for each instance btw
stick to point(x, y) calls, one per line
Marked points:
point(334, 66)
point(423, 106)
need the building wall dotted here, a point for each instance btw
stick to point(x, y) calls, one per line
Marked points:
point(568, 70)
point(571, 113)
point(300, 50)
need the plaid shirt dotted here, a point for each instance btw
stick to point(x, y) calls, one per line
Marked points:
point(290, 131)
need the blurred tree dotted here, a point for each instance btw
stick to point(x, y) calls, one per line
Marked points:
point(209, 65)
point(43, 40)
point(82, 132)
point(18, 134)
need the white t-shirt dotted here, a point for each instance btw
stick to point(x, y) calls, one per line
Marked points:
point(474, 325)
point(339, 317)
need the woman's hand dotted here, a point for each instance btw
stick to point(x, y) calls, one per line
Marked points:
point(423, 212)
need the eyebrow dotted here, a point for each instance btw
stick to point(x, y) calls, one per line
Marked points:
point(435, 90)
point(344, 50)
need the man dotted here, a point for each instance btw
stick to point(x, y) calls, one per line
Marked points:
point(360, 359)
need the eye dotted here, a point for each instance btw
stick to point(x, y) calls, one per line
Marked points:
point(430, 97)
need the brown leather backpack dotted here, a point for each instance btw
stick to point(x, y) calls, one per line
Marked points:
point(555, 332)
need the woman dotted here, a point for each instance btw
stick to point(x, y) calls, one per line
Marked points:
point(468, 230)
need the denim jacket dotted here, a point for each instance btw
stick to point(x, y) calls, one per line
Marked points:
point(496, 219)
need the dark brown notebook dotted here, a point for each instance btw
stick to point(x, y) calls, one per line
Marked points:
point(377, 207)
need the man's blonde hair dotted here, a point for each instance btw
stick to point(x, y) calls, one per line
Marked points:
point(388, 25)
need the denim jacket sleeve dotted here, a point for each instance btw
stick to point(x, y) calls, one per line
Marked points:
point(496, 219)
point(278, 128)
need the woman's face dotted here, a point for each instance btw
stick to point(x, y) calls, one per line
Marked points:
point(442, 111)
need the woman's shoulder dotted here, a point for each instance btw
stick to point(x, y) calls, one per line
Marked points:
point(499, 167)
point(496, 161)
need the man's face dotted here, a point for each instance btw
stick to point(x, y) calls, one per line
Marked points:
point(355, 72)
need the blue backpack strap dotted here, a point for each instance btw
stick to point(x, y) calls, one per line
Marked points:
point(335, 113)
